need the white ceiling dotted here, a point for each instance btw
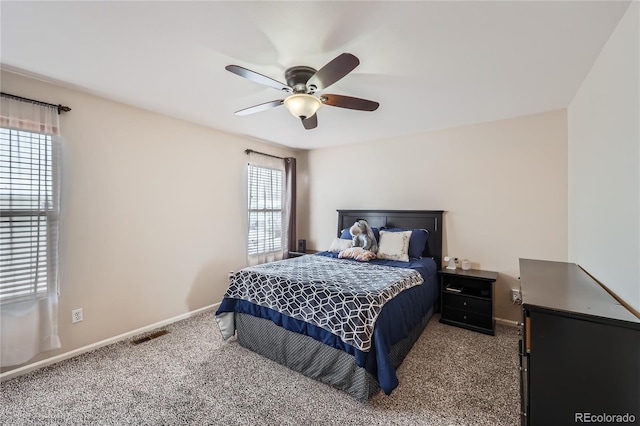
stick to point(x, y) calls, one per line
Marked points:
point(431, 65)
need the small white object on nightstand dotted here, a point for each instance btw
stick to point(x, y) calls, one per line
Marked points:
point(452, 262)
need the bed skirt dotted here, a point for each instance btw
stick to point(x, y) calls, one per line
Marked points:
point(315, 359)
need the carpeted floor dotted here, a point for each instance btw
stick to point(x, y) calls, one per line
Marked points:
point(190, 376)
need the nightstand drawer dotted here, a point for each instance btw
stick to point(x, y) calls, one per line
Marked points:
point(474, 304)
point(475, 287)
point(470, 318)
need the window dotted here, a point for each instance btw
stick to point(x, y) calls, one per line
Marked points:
point(266, 188)
point(28, 214)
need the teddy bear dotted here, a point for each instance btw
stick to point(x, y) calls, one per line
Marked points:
point(362, 236)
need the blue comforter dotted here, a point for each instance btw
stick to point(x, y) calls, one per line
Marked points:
point(396, 319)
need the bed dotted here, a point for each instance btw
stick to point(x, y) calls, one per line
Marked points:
point(346, 323)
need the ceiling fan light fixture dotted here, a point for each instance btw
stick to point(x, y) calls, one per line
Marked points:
point(302, 105)
point(302, 85)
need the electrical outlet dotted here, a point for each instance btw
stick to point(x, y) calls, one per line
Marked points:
point(76, 315)
point(516, 297)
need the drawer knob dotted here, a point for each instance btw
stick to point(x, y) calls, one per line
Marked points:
point(464, 303)
point(465, 317)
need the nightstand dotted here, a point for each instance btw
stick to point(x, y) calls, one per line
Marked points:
point(466, 299)
point(299, 253)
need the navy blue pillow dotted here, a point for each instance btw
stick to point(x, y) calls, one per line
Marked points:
point(417, 242)
point(346, 235)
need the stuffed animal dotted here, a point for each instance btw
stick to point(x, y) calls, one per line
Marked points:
point(362, 236)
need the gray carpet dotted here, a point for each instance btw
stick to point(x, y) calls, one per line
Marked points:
point(190, 376)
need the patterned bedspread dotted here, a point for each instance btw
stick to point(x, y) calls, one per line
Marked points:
point(341, 296)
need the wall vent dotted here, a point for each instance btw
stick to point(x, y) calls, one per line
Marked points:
point(149, 337)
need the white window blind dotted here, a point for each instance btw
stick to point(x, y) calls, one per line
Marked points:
point(27, 214)
point(266, 188)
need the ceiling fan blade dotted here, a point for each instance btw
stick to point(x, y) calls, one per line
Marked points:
point(333, 71)
point(311, 122)
point(258, 78)
point(261, 107)
point(349, 102)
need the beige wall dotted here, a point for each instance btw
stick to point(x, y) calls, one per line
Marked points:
point(152, 214)
point(502, 184)
point(153, 208)
point(604, 164)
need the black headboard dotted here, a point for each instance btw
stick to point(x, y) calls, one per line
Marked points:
point(431, 220)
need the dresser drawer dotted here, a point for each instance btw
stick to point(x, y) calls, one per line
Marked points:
point(467, 317)
point(471, 304)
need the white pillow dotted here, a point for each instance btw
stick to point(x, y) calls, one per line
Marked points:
point(394, 245)
point(339, 244)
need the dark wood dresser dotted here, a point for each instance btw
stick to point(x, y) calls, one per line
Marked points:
point(580, 349)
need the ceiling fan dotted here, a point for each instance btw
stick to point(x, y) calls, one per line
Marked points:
point(302, 84)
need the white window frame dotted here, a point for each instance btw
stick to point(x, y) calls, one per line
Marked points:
point(29, 216)
point(266, 197)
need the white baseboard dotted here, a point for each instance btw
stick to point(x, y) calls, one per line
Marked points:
point(45, 362)
point(510, 323)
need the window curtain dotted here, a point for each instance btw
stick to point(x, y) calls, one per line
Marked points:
point(290, 202)
point(266, 195)
point(29, 322)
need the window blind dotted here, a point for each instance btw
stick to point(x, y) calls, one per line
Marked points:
point(27, 211)
point(266, 187)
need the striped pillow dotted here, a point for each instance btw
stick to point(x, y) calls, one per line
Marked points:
point(357, 253)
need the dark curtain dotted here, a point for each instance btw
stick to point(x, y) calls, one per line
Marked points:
point(290, 178)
